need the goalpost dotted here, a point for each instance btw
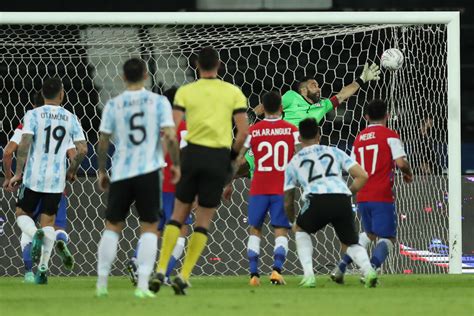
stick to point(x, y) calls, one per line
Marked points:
point(260, 51)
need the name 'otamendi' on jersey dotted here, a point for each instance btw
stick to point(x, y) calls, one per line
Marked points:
point(54, 129)
point(135, 118)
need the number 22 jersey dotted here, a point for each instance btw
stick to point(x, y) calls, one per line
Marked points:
point(272, 142)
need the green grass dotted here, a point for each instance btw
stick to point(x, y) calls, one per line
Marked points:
point(400, 295)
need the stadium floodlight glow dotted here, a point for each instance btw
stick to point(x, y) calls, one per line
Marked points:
point(260, 51)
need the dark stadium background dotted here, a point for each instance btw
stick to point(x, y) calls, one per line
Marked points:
point(86, 104)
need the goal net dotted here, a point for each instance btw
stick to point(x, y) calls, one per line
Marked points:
point(257, 58)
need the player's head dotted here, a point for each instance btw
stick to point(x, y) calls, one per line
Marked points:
point(134, 71)
point(376, 111)
point(208, 60)
point(271, 103)
point(309, 88)
point(52, 91)
point(309, 131)
point(37, 99)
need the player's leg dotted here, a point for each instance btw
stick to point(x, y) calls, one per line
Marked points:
point(118, 205)
point(385, 228)
point(344, 226)
point(365, 238)
point(177, 251)
point(48, 215)
point(212, 166)
point(257, 210)
point(25, 243)
point(62, 238)
point(312, 217)
point(148, 205)
point(281, 224)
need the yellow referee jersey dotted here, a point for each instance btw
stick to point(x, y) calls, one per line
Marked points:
point(209, 105)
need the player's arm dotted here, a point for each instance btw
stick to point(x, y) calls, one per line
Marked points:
point(76, 156)
point(368, 74)
point(7, 162)
point(404, 166)
point(102, 150)
point(242, 126)
point(21, 156)
point(359, 176)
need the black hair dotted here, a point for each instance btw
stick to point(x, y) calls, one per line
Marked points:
point(134, 70)
point(51, 88)
point(37, 99)
point(208, 58)
point(170, 93)
point(309, 128)
point(271, 102)
point(376, 109)
point(303, 81)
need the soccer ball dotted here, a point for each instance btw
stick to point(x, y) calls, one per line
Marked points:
point(392, 59)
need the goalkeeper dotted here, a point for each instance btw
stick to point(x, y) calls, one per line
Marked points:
point(306, 102)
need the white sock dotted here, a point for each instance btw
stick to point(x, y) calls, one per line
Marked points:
point(24, 240)
point(360, 258)
point(27, 225)
point(364, 240)
point(146, 258)
point(282, 241)
point(179, 248)
point(106, 256)
point(48, 244)
point(253, 244)
point(304, 247)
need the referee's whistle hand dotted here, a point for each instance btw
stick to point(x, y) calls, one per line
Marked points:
point(175, 174)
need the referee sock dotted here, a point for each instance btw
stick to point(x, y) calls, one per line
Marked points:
point(177, 253)
point(304, 247)
point(196, 245)
point(146, 258)
point(106, 256)
point(170, 237)
point(48, 244)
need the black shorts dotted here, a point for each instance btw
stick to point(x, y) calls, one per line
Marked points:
point(204, 171)
point(144, 190)
point(28, 201)
point(323, 209)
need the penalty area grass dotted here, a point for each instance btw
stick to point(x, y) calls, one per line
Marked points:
point(398, 295)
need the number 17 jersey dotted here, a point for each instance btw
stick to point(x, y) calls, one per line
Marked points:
point(272, 142)
point(53, 129)
point(134, 119)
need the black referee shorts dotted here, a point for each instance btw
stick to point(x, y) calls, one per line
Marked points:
point(144, 190)
point(323, 209)
point(204, 171)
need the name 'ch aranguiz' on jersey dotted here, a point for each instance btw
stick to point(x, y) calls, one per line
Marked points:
point(271, 132)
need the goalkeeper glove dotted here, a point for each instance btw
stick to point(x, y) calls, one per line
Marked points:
point(369, 73)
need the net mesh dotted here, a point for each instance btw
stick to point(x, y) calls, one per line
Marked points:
point(89, 58)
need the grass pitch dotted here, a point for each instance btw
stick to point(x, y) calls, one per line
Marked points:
point(399, 295)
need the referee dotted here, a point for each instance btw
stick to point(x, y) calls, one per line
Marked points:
point(209, 104)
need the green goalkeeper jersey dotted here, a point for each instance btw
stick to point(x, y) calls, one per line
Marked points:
point(296, 108)
point(251, 161)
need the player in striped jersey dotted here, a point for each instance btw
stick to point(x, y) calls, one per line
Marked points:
point(62, 237)
point(47, 133)
point(318, 169)
point(135, 119)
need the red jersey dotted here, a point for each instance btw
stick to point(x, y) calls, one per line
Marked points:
point(167, 185)
point(272, 142)
point(375, 149)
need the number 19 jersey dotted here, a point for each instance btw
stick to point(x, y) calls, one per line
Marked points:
point(272, 142)
point(53, 129)
point(135, 118)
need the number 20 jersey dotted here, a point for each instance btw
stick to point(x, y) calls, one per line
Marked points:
point(272, 142)
point(318, 169)
point(53, 129)
point(134, 119)
point(375, 149)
